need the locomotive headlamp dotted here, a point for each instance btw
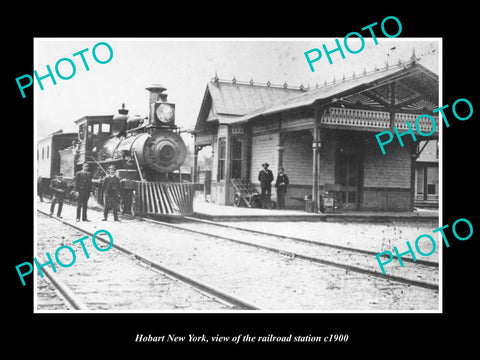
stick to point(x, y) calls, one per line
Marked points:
point(165, 113)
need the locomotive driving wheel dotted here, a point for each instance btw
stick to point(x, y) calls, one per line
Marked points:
point(126, 204)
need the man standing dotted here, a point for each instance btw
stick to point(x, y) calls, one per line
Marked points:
point(281, 184)
point(83, 188)
point(39, 187)
point(59, 188)
point(265, 177)
point(111, 189)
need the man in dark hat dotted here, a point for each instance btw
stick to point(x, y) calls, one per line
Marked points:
point(281, 184)
point(111, 189)
point(83, 188)
point(59, 189)
point(265, 176)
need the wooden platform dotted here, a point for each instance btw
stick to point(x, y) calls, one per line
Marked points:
point(213, 212)
point(426, 204)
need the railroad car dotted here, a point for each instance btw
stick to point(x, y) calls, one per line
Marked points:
point(146, 151)
point(48, 157)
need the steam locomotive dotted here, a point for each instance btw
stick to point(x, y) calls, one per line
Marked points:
point(145, 151)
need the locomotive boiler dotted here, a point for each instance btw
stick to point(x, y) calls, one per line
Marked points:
point(146, 152)
point(152, 143)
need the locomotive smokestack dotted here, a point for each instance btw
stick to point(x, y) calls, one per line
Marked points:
point(156, 91)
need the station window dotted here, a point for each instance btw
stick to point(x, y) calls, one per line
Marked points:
point(96, 128)
point(221, 158)
point(42, 153)
point(236, 158)
point(432, 180)
point(48, 151)
point(38, 155)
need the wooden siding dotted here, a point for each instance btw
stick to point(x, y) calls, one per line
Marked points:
point(267, 124)
point(264, 149)
point(44, 163)
point(296, 121)
point(386, 199)
point(295, 196)
point(328, 142)
point(50, 164)
point(392, 170)
point(298, 157)
point(204, 138)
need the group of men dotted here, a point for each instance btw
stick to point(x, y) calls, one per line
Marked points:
point(111, 191)
point(83, 189)
point(265, 176)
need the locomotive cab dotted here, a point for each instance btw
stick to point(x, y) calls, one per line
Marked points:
point(93, 131)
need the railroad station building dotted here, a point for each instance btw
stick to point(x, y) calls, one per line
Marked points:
point(324, 137)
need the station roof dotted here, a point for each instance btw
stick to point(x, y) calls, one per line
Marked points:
point(58, 133)
point(238, 99)
point(226, 101)
point(413, 79)
point(235, 102)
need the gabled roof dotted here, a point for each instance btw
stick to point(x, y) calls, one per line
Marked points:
point(239, 99)
point(418, 76)
point(226, 101)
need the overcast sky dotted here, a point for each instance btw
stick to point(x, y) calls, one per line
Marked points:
point(184, 66)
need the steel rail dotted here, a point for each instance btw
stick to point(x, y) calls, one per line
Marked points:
point(65, 291)
point(230, 299)
point(312, 242)
point(401, 279)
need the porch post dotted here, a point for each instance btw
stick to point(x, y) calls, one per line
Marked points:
point(195, 163)
point(413, 159)
point(280, 148)
point(425, 182)
point(316, 160)
point(227, 163)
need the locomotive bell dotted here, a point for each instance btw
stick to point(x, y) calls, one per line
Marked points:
point(119, 121)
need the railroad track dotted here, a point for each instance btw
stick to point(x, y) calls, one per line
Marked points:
point(52, 294)
point(74, 292)
point(312, 242)
point(356, 260)
point(275, 280)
